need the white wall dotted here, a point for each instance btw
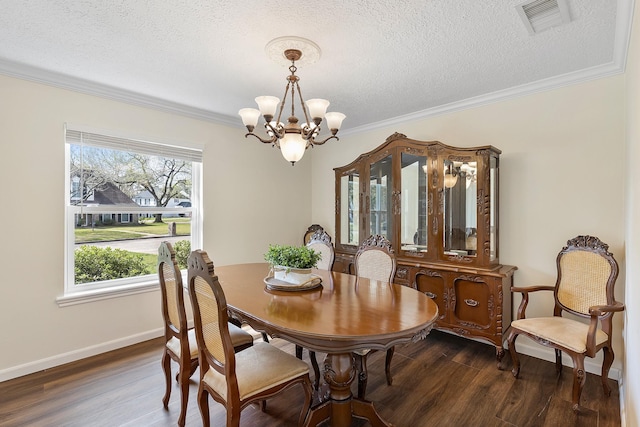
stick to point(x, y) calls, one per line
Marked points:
point(561, 175)
point(632, 337)
point(247, 205)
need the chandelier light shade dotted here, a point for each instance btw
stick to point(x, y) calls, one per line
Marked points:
point(292, 138)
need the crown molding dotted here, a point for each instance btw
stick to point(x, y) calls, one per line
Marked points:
point(543, 85)
point(51, 78)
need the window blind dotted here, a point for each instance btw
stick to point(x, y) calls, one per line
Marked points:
point(74, 136)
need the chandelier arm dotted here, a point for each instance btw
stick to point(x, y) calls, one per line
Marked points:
point(264, 141)
point(313, 142)
point(304, 110)
point(277, 130)
point(284, 99)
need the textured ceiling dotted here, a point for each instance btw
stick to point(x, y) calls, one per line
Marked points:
point(380, 59)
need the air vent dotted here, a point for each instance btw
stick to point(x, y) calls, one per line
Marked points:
point(540, 15)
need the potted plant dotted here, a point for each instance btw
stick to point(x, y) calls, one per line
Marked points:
point(292, 264)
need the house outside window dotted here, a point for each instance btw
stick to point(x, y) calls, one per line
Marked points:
point(123, 198)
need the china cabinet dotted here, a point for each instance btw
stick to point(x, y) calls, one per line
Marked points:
point(438, 205)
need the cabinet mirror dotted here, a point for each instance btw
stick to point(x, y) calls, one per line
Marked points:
point(380, 197)
point(413, 204)
point(460, 192)
point(349, 208)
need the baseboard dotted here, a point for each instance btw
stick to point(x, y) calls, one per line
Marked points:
point(72, 356)
point(623, 409)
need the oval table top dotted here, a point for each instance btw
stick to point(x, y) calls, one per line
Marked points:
point(344, 314)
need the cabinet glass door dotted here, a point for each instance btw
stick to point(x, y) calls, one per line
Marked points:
point(380, 198)
point(493, 203)
point(460, 213)
point(349, 209)
point(413, 205)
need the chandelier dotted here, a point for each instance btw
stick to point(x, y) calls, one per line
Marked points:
point(293, 138)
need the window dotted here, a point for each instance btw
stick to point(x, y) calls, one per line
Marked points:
point(123, 197)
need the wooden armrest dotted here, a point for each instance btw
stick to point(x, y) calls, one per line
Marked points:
point(525, 296)
point(599, 310)
point(596, 311)
point(533, 288)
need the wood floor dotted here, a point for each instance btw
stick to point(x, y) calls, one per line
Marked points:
point(442, 381)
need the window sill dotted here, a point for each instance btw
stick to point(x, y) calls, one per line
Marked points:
point(82, 297)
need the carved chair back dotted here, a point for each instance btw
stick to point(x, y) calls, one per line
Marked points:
point(587, 273)
point(173, 310)
point(376, 259)
point(321, 242)
point(210, 319)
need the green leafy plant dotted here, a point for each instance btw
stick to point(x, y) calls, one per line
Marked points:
point(292, 256)
point(183, 249)
point(93, 264)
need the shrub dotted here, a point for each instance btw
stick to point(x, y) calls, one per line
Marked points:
point(182, 249)
point(93, 263)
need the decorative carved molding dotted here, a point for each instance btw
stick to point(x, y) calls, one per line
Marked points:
point(472, 325)
point(330, 375)
point(460, 258)
point(491, 307)
point(402, 273)
point(471, 278)
point(395, 200)
point(414, 151)
point(460, 158)
point(588, 242)
point(414, 253)
point(320, 236)
point(430, 204)
point(394, 136)
point(422, 334)
point(376, 241)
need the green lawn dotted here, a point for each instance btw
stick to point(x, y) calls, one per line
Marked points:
point(151, 261)
point(134, 231)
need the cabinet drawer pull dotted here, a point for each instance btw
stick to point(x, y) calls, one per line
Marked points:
point(430, 295)
point(471, 302)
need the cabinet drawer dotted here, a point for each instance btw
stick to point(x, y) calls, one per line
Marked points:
point(432, 284)
point(472, 302)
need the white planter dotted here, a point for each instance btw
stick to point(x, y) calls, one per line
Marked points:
point(295, 276)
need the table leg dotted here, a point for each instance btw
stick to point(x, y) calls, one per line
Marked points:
point(339, 373)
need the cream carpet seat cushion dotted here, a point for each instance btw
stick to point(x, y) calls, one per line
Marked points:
point(565, 332)
point(174, 344)
point(257, 368)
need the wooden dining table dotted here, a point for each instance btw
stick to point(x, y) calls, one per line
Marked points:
point(345, 314)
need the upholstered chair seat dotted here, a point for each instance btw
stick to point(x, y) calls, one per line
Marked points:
point(558, 330)
point(251, 374)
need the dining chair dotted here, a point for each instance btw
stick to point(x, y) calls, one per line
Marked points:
point(180, 340)
point(375, 260)
point(313, 228)
point(235, 379)
point(320, 242)
point(586, 275)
